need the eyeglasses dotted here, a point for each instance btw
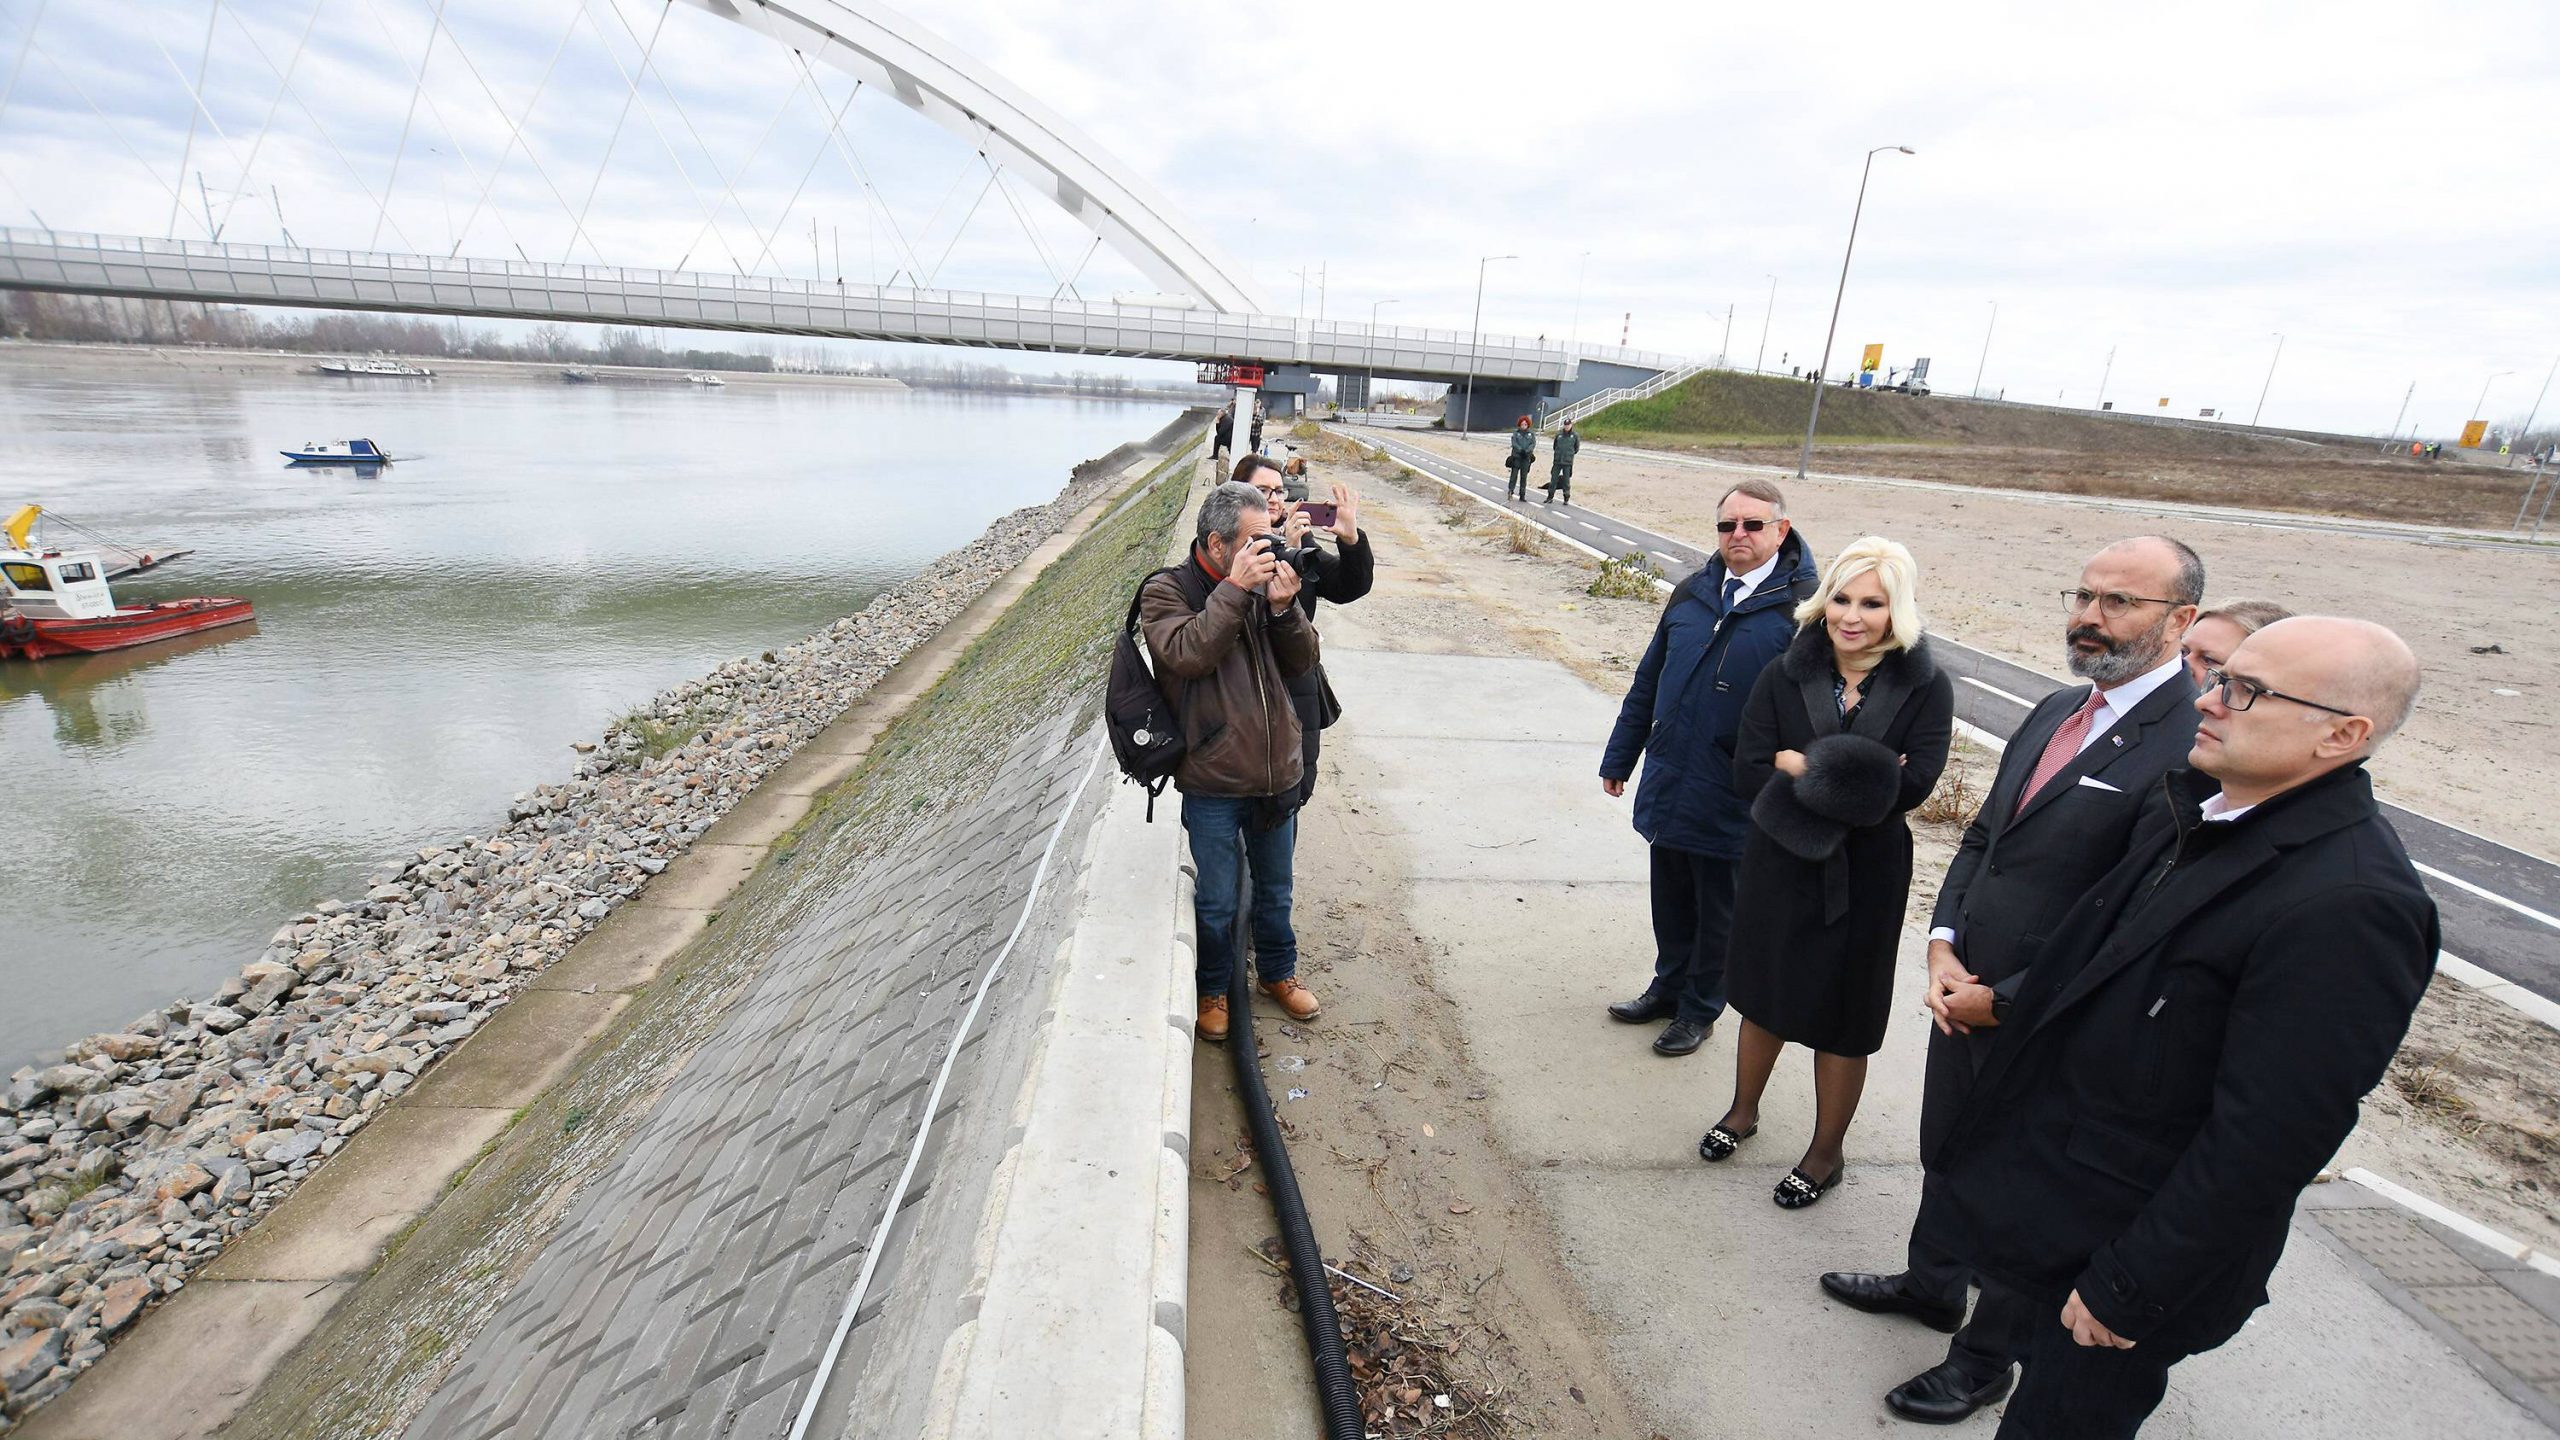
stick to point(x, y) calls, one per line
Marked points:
point(2239, 694)
point(1751, 527)
point(1272, 492)
point(2113, 603)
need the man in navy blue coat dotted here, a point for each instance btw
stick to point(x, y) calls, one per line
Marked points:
point(1682, 715)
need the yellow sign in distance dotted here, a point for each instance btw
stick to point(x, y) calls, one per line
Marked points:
point(2474, 433)
point(1874, 360)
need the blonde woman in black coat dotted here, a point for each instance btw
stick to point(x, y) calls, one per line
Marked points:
point(1848, 730)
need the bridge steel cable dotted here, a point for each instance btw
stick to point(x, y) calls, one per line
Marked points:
point(686, 119)
point(578, 222)
point(241, 187)
point(435, 27)
point(710, 212)
point(452, 135)
point(871, 192)
point(318, 126)
point(195, 92)
point(515, 129)
point(18, 66)
point(816, 158)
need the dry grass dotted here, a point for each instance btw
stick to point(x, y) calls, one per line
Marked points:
point(1517, 537)
point(1961, 787)
point(1629, 577)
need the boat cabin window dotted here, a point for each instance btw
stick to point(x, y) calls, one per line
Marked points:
point(27, 577)
point(75, 572)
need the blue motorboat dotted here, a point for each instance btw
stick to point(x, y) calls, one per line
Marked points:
point(337, 452)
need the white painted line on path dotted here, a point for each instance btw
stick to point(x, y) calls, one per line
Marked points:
point(2455, 1220)
point(2497, 987)
point(1996, 690)
point(2492, 896)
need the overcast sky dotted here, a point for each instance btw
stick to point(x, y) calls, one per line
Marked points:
point(2175, 183)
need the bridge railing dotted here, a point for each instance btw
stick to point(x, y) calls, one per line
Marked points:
point(342, 277)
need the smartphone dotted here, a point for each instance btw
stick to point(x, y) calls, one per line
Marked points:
point(1319, 513)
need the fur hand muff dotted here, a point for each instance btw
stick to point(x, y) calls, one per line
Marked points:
point(1780, 812)
point(1850, 779)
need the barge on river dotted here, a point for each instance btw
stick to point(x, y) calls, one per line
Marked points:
point(55, 602)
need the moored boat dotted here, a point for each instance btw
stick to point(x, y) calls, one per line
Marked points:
point(700, 377)
point(56, 602)
point(375, 369)
point(337, 452)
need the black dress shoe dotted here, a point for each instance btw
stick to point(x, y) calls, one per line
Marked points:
point(1644, 1009)
point(1682, 1036)
point(1884, 1295)
point(1943, 1394)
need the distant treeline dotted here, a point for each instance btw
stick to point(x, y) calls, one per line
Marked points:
point(28, 315)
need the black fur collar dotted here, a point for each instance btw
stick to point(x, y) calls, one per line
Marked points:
point(1808, 657)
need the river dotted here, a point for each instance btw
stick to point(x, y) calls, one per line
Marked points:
point(429, 640)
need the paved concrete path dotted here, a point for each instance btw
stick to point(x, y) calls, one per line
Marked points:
point(1531, 887)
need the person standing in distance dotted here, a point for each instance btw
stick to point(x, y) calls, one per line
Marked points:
point(1683, 716)
point(2192, 1046)
point(1560, 472)
point(2059, 814)
point(1524, 453)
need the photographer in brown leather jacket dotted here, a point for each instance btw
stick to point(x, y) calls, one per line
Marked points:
point(1226, 634)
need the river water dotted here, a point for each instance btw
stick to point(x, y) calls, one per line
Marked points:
point(429, 640)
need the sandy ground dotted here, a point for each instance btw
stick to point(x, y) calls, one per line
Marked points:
point(1394, 1135)
point(2482, 751)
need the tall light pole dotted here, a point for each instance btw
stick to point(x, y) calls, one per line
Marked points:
point(1574, 336)
point(1828, 335)
point(2102, 377)
point(2480, 407)
point(1369, 391)
point(1986, 349)
point(2271, 380)
point(1764, 326)
point(1724, 357)
point(2526, 434)
point(1475, 336)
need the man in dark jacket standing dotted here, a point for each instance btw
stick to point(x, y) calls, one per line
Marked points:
point(2191, 1046)
point(1226, 635)
point(1560, 471)
point(1341, 575)
point(2060, 813)
point(1524, 453)
point(1682, 714)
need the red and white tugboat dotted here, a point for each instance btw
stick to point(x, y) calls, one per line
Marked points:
point(55, 602)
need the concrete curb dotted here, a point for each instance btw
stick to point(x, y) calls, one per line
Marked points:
point(1077, 1310)
point(1077, 1313)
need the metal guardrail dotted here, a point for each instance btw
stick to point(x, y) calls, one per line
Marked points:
point(1590, 404)
point(514, 289)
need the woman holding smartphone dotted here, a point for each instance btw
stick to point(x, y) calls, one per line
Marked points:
point(1340, 575)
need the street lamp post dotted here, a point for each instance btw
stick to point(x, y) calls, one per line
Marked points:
point(2526, 434)
point(1475, 336)
point(2271, 380)
point(1756, 360)
point(1829, 335)
point(1986, 349)
point(2480, 407)
point(1369, 391)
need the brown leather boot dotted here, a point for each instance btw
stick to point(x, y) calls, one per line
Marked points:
point(1295, 998)
point(1213, 1019)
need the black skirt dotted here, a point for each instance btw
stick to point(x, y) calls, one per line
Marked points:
point(1806, 979)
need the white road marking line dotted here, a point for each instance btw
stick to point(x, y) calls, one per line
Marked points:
point(2492, 896)
point(2455, 1220)
point(1996, 690)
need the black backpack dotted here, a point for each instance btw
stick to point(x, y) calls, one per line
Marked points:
point(1146, 732)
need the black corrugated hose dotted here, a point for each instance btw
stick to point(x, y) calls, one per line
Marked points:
point(1334, 1390)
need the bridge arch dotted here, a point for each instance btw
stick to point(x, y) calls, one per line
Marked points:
point(930, 76)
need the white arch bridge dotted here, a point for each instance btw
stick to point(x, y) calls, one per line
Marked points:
point(1211, 312)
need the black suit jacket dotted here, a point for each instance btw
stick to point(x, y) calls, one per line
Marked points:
point(2186, 1054)
point(2016, 872)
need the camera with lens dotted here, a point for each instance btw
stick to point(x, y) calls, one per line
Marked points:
point(1301, 558)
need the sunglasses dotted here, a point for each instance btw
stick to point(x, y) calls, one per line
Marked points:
point(1748, 527)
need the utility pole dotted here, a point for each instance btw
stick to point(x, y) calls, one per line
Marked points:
point(2394, 437)
point(1724, 356)
point(1814, 419)
point(1764, 325)
point(2271, 380)
point(1986, 349)
point(2102, 377)
point(1475, 337)
point(817, 266)
point(2526, 434)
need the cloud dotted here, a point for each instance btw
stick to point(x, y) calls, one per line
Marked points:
point(2177, 183)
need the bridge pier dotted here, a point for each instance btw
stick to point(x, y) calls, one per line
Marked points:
point(1497, 406)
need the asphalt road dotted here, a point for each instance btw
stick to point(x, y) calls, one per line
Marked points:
point(2501, 907)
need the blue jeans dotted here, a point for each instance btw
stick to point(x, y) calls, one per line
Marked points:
point(1222, 842)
